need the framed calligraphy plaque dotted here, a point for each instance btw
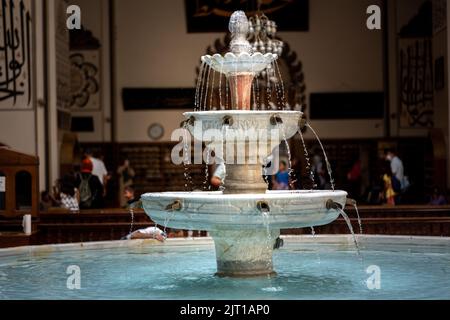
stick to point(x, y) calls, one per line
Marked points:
point(416, 83)
point(16, 53)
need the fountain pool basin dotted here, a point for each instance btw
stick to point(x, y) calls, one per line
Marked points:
point(320, 267)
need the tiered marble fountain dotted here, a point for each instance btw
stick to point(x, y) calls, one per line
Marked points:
point(244, 218)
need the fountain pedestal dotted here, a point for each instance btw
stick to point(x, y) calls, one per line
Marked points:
point(244, 178)
point(244, 220)
point(241, 88)
point(244, 253)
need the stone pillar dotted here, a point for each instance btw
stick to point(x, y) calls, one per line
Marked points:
point(245, 176)
point(244, 253)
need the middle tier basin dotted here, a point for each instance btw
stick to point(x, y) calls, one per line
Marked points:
point(245, 125)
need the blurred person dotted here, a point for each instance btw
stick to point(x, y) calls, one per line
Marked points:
point(297, 173)
point(218, 176)
point(354, 179)
point(437, 198)
point(132, 201)
point(98, 167)
point(126, 174)
point(319, 172)
point(397, 169)
point(147, 233)
point(280, 180)
point(89, 186)
point(389, 192)
point(68, 193)
point(47, 201)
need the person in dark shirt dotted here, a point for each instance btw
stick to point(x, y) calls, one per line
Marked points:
point(437, 198)
point(89, 186)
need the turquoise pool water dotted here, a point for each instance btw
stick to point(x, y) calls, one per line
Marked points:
point(305, 271)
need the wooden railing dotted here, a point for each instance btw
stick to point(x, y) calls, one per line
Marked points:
point(61, 226)
point(418, 220)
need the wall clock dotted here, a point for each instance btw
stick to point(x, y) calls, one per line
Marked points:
point(155, 131)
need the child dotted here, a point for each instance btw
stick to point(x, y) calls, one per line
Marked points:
point(281, 179)
point(389, 193)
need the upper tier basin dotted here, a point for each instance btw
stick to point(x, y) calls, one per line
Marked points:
point(246, 123)
point(214, 211)
point(242, 62)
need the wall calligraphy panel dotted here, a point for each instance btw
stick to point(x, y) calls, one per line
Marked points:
point(62, 56)
point(85, 80)
point(416, 83)
point(16, 53)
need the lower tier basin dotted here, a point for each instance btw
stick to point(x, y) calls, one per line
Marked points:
point(215, 211)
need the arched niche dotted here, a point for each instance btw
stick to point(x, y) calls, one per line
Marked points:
point(23, 188)
point(20, 181)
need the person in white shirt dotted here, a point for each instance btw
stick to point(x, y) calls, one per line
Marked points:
point(396, 166)
point(147, 233)
point(98, 167)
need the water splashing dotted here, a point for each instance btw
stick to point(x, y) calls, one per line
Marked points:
point(236, 89)
point(349, 225)
point(266, 222)
point(207, 86)
point(316, 252)
point(186, 159)
point(308, 161)
point(330, 172)
point(202, 86)
point(353, 203)
point(220, 87)
point(258, 99)
point(199, 82)
point(277, 87)
point(254, 105)
point(268, 90)
point(227, 89)
point(208, 155)
point(288, 150)
point(132, 220)
point(167, 220)
point(212, 90)
point(283, 96)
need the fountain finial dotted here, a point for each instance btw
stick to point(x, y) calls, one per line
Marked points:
point(239, 27)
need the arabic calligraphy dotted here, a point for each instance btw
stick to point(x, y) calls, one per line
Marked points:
point(84, 79)
point(416, 80)
point(15, 54)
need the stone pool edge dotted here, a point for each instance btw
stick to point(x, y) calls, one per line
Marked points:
point(207, 241)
